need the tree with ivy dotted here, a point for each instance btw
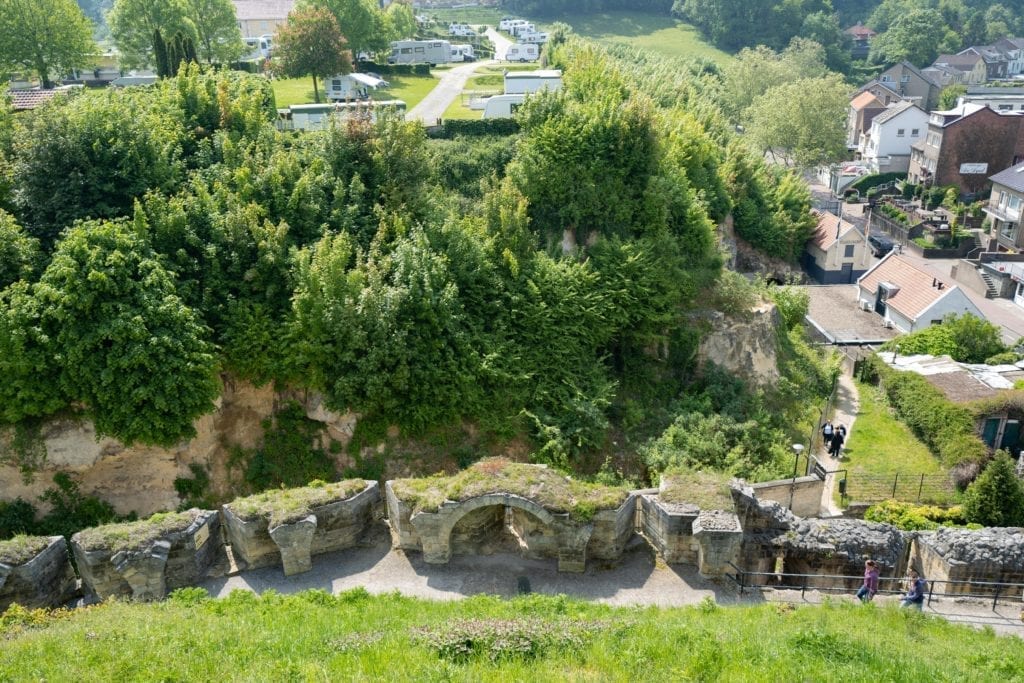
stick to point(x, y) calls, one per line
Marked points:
point(996, 498)
point(44, 38)
point(311, 44)
point(123, 343)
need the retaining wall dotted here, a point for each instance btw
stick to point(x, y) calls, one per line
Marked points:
point(46, 580)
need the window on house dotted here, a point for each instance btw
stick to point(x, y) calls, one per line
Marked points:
point(900, 132)
point(905, 78)
point(914, 132)
point(1005, 107)
point(1014, 203)
point(848, 250)
point(886, 78)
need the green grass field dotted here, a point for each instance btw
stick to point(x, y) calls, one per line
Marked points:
point(314, 636)
point(656, 33)
point(411, 89)
point(882, 445)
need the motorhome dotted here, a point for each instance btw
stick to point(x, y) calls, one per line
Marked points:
point(461, 30)
point(259, 47)
point(463, 53)
point(507, 23)
point(353, 86)
point(431, 52)
point(523, 28)
point(536, 38)
point(522, 52)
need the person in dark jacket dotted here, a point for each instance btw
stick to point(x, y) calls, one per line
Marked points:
point(837, 444)
point(915, 595)
point(870, 587)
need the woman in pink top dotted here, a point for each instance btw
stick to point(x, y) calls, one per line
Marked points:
point(870, 587)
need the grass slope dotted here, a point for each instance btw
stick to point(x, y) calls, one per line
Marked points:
point(314, 636)
point(661, 34)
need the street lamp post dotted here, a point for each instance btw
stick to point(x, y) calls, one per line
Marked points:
point(798, 448)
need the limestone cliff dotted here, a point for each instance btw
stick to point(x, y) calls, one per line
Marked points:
point(745, 346)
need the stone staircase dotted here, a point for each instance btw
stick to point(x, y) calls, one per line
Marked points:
point(991, 291)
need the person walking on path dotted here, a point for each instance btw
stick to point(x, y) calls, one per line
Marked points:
point(826, 435)
point(915, 596)
point(870, 587)
point(836, 444)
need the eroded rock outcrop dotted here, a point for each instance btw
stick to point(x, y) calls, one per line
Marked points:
point(41, 576)
point(745, 346)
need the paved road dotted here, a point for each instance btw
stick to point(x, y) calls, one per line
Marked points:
point(639, 578)
point(432, 107)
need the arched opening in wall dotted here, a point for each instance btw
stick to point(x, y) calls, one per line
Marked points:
point(497, 529)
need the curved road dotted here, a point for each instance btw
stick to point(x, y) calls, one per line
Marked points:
point(432, 107)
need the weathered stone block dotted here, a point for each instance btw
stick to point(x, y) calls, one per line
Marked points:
point(293, 542)
point(146, 560)
point(46, 579)
point(612, 530)
point(719, 538)
point(669, 527)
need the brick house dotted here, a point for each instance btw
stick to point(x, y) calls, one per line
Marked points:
point(963, 145)
point(261, 17)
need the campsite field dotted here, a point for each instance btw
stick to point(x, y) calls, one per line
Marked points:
point(410, 89)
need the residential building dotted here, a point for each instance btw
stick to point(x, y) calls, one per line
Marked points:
point(860, 38)
point(1013, 48)
point(837, 253)
point(261, 17)
point(971, 66)
point(1000, 99)
point(886, 94)
point(908, 81)
point(963, 145)
point(944, 75)
point(995, 60)
point(863, 108)
point(1004, 209)
point(885, 148)
point(909, 298)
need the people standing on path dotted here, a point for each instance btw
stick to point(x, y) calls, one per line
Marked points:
point(826, 435)
point(841, 430)
point(867, 592)
point(837, 443)
point(915, 595)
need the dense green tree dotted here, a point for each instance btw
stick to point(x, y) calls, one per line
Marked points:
point(950, 95)
point(218, 37)
point(734, 24)
point(757, 70)
point(45, 38)
point(31, 386)
point(400, 20)
point(111, 147)
point(915, 36)
point(361, 21)
point(133, 24)
point(801, 121)
point(823, 28)
point(1000, 22)
point(996, 498)
point(20, 256)
point(311, 44)
point(125, 344)
point(966, 338)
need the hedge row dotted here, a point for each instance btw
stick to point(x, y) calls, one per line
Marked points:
point(394, 69)
point(946, 428)
point(865, 183)
point(453, 127)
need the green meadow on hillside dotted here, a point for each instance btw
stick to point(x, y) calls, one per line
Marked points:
point(313, 636)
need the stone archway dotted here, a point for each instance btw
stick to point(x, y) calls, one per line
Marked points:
point(560, 536)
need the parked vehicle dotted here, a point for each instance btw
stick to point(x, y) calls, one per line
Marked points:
point(523, 28)
point(537, 38)
point(880, 245)
point(522, 52)
point(463, 53)
point(461, 30)
point(259, 47)
point(431, 52)
point(502, 106)
point(507, 23)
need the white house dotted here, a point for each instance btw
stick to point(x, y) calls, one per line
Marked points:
point(885, 147)
point(837, 253)
point(908, 298)
point(352, 86)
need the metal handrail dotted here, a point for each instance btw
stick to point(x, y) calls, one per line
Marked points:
point(740, 578)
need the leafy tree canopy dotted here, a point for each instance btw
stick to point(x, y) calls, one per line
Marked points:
point(217, 34)
point(46, 38)
point(311, 44)
point(996, 498)
point(133, 23)
point(965, 338)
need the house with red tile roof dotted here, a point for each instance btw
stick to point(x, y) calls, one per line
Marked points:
point(863, 108)
point(908, 298)
point(837, 252)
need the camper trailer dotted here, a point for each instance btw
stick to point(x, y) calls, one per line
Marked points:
point(521, 52)
point(461, 30)
point(352, 86)
point(502, 106)
point(535, 38)
point(304, 117)
point(507, 23)
point(431, 52)
point(525, 82)
point(463, 53)
point(259, 47)
point(523, 28)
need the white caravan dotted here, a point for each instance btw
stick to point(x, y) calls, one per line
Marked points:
point(522, 52)
point(502, 106)
point(536, 38)
point(431, 52)
point(461, 30)
point(353, 86)
point(525, 82)
point(507, 23)
point(463, 53)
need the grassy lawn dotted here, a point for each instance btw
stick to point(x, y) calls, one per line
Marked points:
point(314, 636)
point(656, 33)
point(882, 446)
point(489, 16)
point(411, 89)
point(459, 109)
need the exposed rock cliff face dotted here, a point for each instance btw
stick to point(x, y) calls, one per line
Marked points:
point(141, 478)
point(745, 347)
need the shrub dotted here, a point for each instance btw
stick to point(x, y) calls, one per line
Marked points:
point(453, 127)
point(1004, 358)
point(290, 455)
point(16, 517)
point(996, 498)
point(525, 638)
point(870, 182)
point(910, 517)
point(71, 511)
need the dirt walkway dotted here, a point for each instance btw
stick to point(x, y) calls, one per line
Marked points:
point(847, 405)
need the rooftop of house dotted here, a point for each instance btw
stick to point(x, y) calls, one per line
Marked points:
point(250, 10)
point(960, 382)
point(915, 290)
point(959, 112)
point(1013, 178)
point(907, 66)
point(962, 62)
point(865, 100)
point(860, 32)
point(539, 73)
point(895, 110)
point(830, 229)
point(22, 100)
point(875, 83)
point(834, 311)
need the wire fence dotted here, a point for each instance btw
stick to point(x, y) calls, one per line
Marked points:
point(905, 487)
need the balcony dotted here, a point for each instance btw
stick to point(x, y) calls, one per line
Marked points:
point(1002, 214)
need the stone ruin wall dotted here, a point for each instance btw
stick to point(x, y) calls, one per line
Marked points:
point(987, 555)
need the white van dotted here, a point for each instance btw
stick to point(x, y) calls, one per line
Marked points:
point(462, 30)
point(522, 52)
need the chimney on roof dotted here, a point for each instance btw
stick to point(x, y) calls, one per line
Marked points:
point(934, 281)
